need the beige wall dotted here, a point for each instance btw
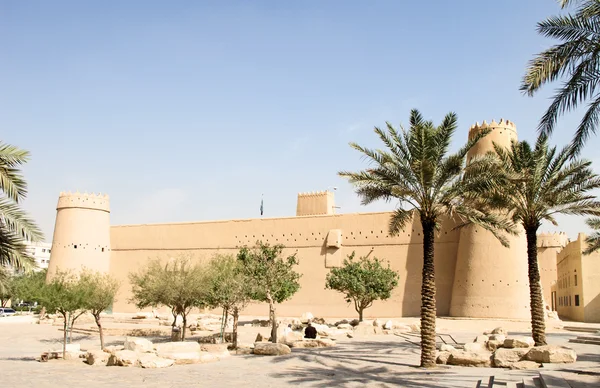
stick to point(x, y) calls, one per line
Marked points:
point(365, 233)
point(567, 287)
point(590, 274)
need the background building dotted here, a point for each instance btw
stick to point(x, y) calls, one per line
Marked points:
point(577, 288)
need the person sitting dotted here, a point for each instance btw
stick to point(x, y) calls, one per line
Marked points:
point(310, 331)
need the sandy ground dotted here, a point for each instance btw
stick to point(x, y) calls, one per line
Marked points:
point(378, 361)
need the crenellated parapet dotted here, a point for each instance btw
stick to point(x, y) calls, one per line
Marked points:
point(552, 240)
point(84, 201)
point(505, 125)
point(314, 193)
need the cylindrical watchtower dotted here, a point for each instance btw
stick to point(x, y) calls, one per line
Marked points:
point(81, 233)
point(490, 280)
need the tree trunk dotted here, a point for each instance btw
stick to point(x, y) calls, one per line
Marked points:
point(428, 310)
point(97, 318)
point(184, 316)
point(65, 335)
point(360, 315)
point(538, 325)
point(273, 319)
point(235, 327)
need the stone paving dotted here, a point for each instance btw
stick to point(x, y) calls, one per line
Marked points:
point(374, 361)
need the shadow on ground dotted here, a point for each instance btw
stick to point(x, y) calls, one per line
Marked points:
point(366, 362)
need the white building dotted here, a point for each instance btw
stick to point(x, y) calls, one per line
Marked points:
point(41, 252)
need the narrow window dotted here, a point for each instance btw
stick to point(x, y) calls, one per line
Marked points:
point(575, 280)
point(102, 249)
point(570, 300)
point(576, 300)
point(75, 246)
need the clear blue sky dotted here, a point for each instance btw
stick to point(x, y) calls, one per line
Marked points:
point(190, 110)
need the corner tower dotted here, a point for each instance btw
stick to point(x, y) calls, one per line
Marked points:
point(315, 204)
point(490, 281)
point(81, 233)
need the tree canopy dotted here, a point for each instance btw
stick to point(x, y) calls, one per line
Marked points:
point(362, 281)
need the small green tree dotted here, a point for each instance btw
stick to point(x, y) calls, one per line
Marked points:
point(363, 281)
point(272, 277)
point(29, 286)
point(228, 287)
point(100, 291)
point(65, 296)
point(178, 284)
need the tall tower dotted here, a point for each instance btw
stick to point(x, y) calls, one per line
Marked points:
point(490, 281)
point(81, 233)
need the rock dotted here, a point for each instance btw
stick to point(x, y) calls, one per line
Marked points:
point(140, 345)
point(322, 330)
point(518, 342)
point(259, 338)
point(350, 335)
point(474, 347)
point(219, 350)
point(504, 358)
point(123, 358)
point(242, 350)
point(344, 326)
point(149, 360)
point(481, 338)
point(492, 345)
point(551, 354)
point(292, 337)
point(525, 365)
point(73, 355)
point(442, 358)
point(354, 322)
point(181, 352)
point(497, 337)
point(500, 330)
point(376, 323)
point(306, 317)
point(342, 322)
point(447, 348)
point(366, 329)
point(402, 329)
point(313, 343)
point(319, 320)
point(113, 348)
point(415, 327)
point(96, 357)
point(261, 323)
point(270, 349)
point(388, 325)
point(479, 359)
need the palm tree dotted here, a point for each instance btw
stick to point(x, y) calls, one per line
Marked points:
point(593, 241)
point(577, 57)
point(535, 185)
point(15, 226)
point(417, 171)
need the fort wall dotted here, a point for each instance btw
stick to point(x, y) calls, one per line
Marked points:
point(133, 245)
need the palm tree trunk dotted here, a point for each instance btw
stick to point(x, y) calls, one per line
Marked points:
point(428, 311)
point(538, 325)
